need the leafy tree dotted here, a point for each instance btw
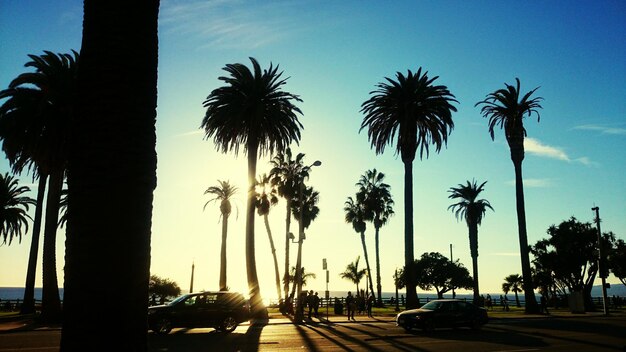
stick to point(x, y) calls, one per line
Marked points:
point(513, 282)
point(265, 197)
point(13, 208)
point(356, 215)
point(305, 277)
point(353, 274)
point(378, 203)
point(472, 211)
point(617, 260)
point(438, 272)
point(223, 193)
point(506, 110)
point(112, 157)
point(252, 112)
point(419, 113)
point(568, 254)
point(162, 287)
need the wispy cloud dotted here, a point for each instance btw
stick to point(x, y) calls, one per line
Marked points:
point(534, 146)
point(190, 133)
point(534, 182)
point(603, 129)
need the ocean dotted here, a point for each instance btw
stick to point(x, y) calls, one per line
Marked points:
point(13, 293)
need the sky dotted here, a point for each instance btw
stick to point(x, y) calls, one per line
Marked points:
point(334, 53)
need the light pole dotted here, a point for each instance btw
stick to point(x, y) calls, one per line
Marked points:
point(298, 275)
point(452, 260)
point(601, 264)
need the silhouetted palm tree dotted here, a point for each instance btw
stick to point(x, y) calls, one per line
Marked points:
point(513, 282)
point(353, 273)
point(305, 277)
point(355, 215)
point(286, 174)
point(222, 193)
point(418, 113)
point(378, 203)
point(305, 214)
point(111, 178)
point(253, 113)
point(265, 198)
point(13, 208)
point(472, 210)
point(34, 129)
point(506, 110)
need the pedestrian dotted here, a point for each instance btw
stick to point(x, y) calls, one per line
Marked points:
point(316, 304)
point(488, 302)
point(544, 306)
point(506, 303)
point(369, 304)
point(351, 305)
point(309, 303)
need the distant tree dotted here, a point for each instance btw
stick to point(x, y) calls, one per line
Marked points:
point(505, 109)
point(305, 210)
point(416, 113)
point(353, 274)
point(472, 211)
point(617, 260)
point(253, 113)
point(305, 277)
point(438, 272)
point(163, 288)
point(223, 193)
point(568, 254)
point(513, 282)
point(376, 195)
point(13, 208)
point(355, 214)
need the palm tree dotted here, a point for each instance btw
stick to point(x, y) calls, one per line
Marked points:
point(13, 208)
point(265, 198)
point(513, 282)
point(353, 274)
point(305, 277)
point(506, 110)
point(355, 215)
point(222, 193)
point(34, 128)
point(472, 210)
point(111, 178)
point(252, 112)
point(378, 208)
point(285, 175)
point(419, 113)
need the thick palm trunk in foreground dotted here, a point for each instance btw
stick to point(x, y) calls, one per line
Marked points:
point(50, 299)
point(223, 285)
point(256, 302)
point(111, 179)
point(409, 258)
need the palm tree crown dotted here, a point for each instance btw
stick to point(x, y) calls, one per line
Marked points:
point(355, 214)
point(468, 207)
point(13, 208)
point(353, 273)
point(222, 193)
point(376, 197)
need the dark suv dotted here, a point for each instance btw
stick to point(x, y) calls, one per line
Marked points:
point(221, 310)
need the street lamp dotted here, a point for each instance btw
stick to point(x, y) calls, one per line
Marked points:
point(298, 275)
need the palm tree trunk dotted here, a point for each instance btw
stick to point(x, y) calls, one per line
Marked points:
point(287, 240)
point(298, 274)
point(378, 285)
point(223, 284)
point(409, 258)
point(367, 263)
point(28, 306)
point(473, 239)
point(51, 302)
point(276, 273)
point(529, 294)
point(256, 302)
point(112, 157)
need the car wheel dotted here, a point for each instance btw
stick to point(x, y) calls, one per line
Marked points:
point(407, 327)
point(228, 324)
point(429, 325)
point(162, 326)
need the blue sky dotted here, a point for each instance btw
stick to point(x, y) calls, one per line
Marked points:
point(334, 54)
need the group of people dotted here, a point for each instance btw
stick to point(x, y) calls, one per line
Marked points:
point(359, 302)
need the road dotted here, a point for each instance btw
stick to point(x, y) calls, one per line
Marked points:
point(514, 335)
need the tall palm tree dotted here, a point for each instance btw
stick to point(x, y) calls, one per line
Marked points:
point(506, 110)
point(286, 174)
point(513, 282)
point(378, 208)
point(34, 129)
point(265, 197)
point(222, 193)
point(353, 273)
point(111, 178)
point(355, 215)
point(13, 208)
point(419, 113)
point(472, 210)
point(252, 112)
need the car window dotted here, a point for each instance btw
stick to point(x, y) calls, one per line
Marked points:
point(433, 305)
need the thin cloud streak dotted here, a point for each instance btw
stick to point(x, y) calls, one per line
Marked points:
point(535, 147)
point(603, 129)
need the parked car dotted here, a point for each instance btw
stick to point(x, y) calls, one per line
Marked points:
point(221, 310)
point(443, 313)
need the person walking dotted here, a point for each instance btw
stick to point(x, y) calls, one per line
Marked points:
point(350, 305)
point(309, 303)
point(369, 304)
point(316, 304)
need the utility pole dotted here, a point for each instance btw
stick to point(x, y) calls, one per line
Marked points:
point(452, 260)
point(602, 270)
point(193, 267)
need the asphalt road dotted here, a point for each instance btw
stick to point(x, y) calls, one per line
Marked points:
point(514, 335)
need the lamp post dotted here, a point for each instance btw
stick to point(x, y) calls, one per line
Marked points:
point(298, 275)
